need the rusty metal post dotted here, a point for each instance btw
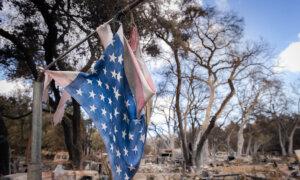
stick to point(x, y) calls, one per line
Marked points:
point(34, 169)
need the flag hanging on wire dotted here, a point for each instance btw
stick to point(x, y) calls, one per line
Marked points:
point(113, 96)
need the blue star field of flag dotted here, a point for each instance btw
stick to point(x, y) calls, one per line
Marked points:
point(106, 97)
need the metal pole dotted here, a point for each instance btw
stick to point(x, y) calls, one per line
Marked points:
point(34, 169)
point(69, 50)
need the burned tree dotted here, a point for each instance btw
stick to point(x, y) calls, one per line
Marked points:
point(276, 107)
point(213, 47)
point(38, 32)
point(206, 57)
point(4, 151)
point(249, 95)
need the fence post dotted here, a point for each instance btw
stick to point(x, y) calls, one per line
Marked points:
point(34, 169)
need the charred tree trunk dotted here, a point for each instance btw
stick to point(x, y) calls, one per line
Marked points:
point(4, 148)
point(178, 112)
point(213, 151)
point(200, 158)
point(28, 148)
point(256, 147)
point(71, 128)
point(240, 135)
point(229, 149)
point(281, 141)
point(72, 149)
point(291, 140)
point(249, 146)
point(241, 140)
point(68, 136)
point(205, 153)
point(76, 134)
point(203, 140)
point(212, 124)
point(245, 115)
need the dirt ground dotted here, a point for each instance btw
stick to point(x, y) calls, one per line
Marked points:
point(229, 172)
point(271, 167)
point(243, 168)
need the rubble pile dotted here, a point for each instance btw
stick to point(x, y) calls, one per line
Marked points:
point(262, 167)
point(159, 168)
point(223, 165)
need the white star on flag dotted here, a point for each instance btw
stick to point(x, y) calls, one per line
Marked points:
point(101, 57)
point(126, 177)
point(124, 134)
point(114, 74)
point(79, 92)
point(99, 82)
point(93, 71)
point(116, 112)
point(92, 94)
point(89, 81)
point(118, 154)
point(112, 57)
point(118, 76)
point(125, 117)
point(120, 59)
point(142, 138)
point(107, 86)
point(135, 149)
point(116, 130)
point(119, 170)
point(130, 136)
point(116, 92)
point(137, 121)
point(125, 151)
point(127, 104)
point(93, 108)
point(104, 126)
point(102, 97)
point(111, 147)
point(103, 111)
point(141, 130)
point(131, 167)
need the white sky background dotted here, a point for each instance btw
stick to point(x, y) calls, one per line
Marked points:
point(10, 88)
point(289, 58)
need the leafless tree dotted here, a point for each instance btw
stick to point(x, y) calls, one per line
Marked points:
point(277, 106)
point(248, 95)
point(295, 124)
point(213, 47)
point(206, 55)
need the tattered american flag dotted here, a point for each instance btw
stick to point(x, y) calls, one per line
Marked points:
point(114, 96)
